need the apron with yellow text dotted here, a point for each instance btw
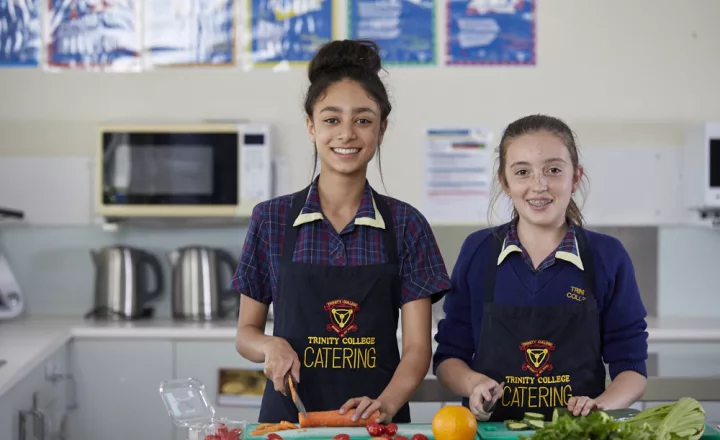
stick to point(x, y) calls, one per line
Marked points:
point(342, 322)
point(544, 354)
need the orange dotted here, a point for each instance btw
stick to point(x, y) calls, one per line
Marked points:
point(454, 422)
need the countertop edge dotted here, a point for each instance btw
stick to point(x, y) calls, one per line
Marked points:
point(48, 335)
point(209, 333)
point(41, 354)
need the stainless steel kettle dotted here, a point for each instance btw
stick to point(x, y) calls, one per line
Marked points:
point(198, 290)
point(121, 283)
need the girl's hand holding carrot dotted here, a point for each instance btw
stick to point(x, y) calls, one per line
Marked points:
point(280, 359)
point(365, 407)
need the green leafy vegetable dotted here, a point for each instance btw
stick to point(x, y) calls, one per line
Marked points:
point(681, 420)
point(596, 426)
point(684, 419)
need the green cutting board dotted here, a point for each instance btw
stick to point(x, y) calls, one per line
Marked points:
point(486, 431)
point(711, 433)
point(498, 431)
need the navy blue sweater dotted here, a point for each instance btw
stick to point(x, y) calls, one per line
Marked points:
point(622, 313)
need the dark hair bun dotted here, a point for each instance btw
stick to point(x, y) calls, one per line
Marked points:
point(343, 55)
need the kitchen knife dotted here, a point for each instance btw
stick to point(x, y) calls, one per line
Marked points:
point(295, 396)
point(488, 405)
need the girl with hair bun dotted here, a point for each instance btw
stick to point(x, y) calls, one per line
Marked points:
point(339, 263)
point(539, 305)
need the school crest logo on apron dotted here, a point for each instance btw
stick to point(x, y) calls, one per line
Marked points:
point(342, 316)
point(537, 356)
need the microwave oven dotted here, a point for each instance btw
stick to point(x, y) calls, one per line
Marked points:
point(183, 170)
point(701, 167)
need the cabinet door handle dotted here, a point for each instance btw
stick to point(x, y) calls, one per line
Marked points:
point(22, 435)
point(72, 405)
point(38, 421)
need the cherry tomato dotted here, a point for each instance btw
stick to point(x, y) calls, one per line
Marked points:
point(391, 429)
point(375, 429)
point(419, 437)
point(212, 437)
point(274, 436)
point(341, 437)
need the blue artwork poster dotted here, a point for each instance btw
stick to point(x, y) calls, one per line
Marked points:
point(94, 34)
point(491, 32)
point(194, 32)
point(404, 30)
point(19, 32)
point(289, 30)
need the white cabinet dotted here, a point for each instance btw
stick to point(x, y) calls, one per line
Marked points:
point(56, 191)
point(44, 389)
point(117, 389)
point(203, 361)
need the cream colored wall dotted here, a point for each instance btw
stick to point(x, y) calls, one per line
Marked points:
point(622, 73)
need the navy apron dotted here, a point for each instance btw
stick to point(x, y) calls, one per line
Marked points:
point(544, 354)
point(342, 322)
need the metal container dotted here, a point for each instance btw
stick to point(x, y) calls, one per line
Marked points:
point(122, 284)
point(199, 291)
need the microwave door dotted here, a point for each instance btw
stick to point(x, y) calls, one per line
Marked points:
point(170, 174)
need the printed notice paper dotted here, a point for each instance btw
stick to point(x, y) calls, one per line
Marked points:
point(189, 32)
point(403, 29)
point(457, 175)
point(94, 34)
point(492, 32)
point(19, 32)
point(289, 31)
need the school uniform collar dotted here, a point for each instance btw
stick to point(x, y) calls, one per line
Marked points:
point(567, 250)
point(367, 215)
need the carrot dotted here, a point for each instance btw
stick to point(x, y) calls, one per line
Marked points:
point(328, 418)
point(334, 419)
point(267, 428)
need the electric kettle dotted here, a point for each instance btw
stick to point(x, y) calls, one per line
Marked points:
point(122, 283)
point(199, 292)
point(12, 303)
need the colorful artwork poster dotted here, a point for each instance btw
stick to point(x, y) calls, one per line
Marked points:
point(404, 30)
point(289, 30)
point(491, 32)
point(19, 33)
point(94, 34)
point(189, 32)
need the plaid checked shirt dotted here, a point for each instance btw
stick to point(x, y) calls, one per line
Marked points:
point(422, 267)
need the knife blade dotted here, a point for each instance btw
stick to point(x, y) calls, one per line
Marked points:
point(292, 385)
point(488, 405)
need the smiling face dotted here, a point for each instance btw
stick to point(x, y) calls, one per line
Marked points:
point(346, 128)
point(540, 178)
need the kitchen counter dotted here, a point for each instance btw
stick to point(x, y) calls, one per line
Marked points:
point(27, 342)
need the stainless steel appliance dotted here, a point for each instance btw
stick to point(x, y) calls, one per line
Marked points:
point(199, 291)
point(122, 283)
point(183, 170)
point(12, 303)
